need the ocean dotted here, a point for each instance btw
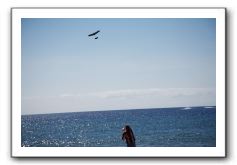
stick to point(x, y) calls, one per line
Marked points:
point(156, 127)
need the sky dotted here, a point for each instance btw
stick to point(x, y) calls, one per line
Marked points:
point(135, 63)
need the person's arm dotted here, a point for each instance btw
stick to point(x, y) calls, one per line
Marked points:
point(123, 136)
point(133, 136)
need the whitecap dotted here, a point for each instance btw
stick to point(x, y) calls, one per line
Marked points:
point(187, 108)
point(209, 107)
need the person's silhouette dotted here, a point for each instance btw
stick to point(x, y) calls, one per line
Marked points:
point(128, 136)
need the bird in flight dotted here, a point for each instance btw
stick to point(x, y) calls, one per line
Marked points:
point(92, 34)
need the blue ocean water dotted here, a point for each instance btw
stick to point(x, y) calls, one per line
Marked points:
point(161, 127)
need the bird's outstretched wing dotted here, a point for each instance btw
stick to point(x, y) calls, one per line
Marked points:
point(92, 34)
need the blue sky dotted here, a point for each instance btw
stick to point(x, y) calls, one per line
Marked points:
point(135, 63)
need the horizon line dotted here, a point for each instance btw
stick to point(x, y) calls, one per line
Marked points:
point(207, 107)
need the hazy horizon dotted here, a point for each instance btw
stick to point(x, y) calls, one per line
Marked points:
point(134, 64)
point(158, 108)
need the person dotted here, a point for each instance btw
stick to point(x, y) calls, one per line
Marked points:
point(128, 136)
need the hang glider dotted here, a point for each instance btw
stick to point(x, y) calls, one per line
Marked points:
point(92, 34)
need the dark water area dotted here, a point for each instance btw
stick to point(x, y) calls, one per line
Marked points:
point(161, 127)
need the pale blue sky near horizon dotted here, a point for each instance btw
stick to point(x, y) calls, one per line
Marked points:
point(134, 63)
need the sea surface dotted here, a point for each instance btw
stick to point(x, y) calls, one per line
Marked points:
point(161, 127)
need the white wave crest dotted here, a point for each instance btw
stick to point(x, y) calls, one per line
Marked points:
point(187, 108)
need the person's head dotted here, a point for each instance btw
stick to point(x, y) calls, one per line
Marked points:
point(127, 128)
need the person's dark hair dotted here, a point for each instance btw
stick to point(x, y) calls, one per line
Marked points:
point(128, 128)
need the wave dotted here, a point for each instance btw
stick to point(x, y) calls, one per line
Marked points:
point(186, 108)
point(208, 107)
